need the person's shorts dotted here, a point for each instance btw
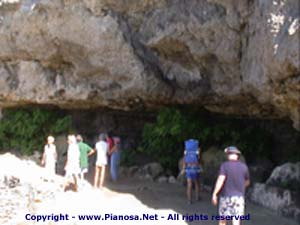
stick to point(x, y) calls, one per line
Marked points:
point(101, 161)
point(232, 206)
point(84, 170)
point(192, 172)
point(69, 174)
point(72, 170)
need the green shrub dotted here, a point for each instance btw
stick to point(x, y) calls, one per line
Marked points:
point(164, 139)
point(26, 129)
point(128, 157)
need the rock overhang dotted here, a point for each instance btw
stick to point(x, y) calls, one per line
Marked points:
point(222, 56)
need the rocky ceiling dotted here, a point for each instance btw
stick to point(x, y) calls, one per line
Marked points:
point(239, 57)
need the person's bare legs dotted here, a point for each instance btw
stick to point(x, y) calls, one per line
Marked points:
point(102, 176)
point(75, 180)
point(222, 222)
point(189, 190)
point(96, 177)
point(236, 222)
point(197, 188)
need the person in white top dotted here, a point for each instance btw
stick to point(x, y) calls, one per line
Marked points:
point(101, 162)
point(49, 157)
point(72, 166)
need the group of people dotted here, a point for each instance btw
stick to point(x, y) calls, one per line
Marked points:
point(77, 163)
point(230, 186)
point(229, 189)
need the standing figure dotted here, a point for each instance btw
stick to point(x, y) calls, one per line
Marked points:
point(85, 151)
point(231, 184)
point(191, 167)
point(49, 157)
point(101, 162)
point(115, 158)
point(109, 141)
point(72, 166)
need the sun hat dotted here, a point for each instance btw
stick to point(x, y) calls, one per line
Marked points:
point(232, 149)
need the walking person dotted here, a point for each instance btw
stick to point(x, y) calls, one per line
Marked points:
point(101, 162)
point(85, 151)
point(115, 154)
point(72, 166)
point(230, 186)
point(49, 157)
point(192, 168)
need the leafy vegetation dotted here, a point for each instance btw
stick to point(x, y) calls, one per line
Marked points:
point(128, 157)
point(26, 129)
point(163, 140)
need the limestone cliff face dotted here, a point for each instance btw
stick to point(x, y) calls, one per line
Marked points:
point(231, 56)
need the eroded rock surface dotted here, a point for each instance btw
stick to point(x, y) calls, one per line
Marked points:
point(281, 191)
point(286, 176)
point(283, 201)
point(234, 57)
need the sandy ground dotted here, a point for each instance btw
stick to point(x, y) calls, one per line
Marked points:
point(133, 197)
point(145, 202)
point(172, 196)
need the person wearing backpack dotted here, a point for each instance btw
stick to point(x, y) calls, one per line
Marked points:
point(192, 168)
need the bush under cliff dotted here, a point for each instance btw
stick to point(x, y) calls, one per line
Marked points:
point(26, 129)
point(163, 140)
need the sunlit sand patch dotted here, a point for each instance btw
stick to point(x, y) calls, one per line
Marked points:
point(44, 197)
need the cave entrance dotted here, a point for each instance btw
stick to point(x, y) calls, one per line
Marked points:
point(149, 136)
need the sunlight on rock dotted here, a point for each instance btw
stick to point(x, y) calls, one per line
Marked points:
point(294, 27)
point(276, 21)
point(27, 195)
point(2, 2)
point(275, 48)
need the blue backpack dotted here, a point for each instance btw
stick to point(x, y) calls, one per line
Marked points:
point(191, 153)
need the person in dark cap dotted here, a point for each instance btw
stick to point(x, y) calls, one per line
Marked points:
point(230, 187)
